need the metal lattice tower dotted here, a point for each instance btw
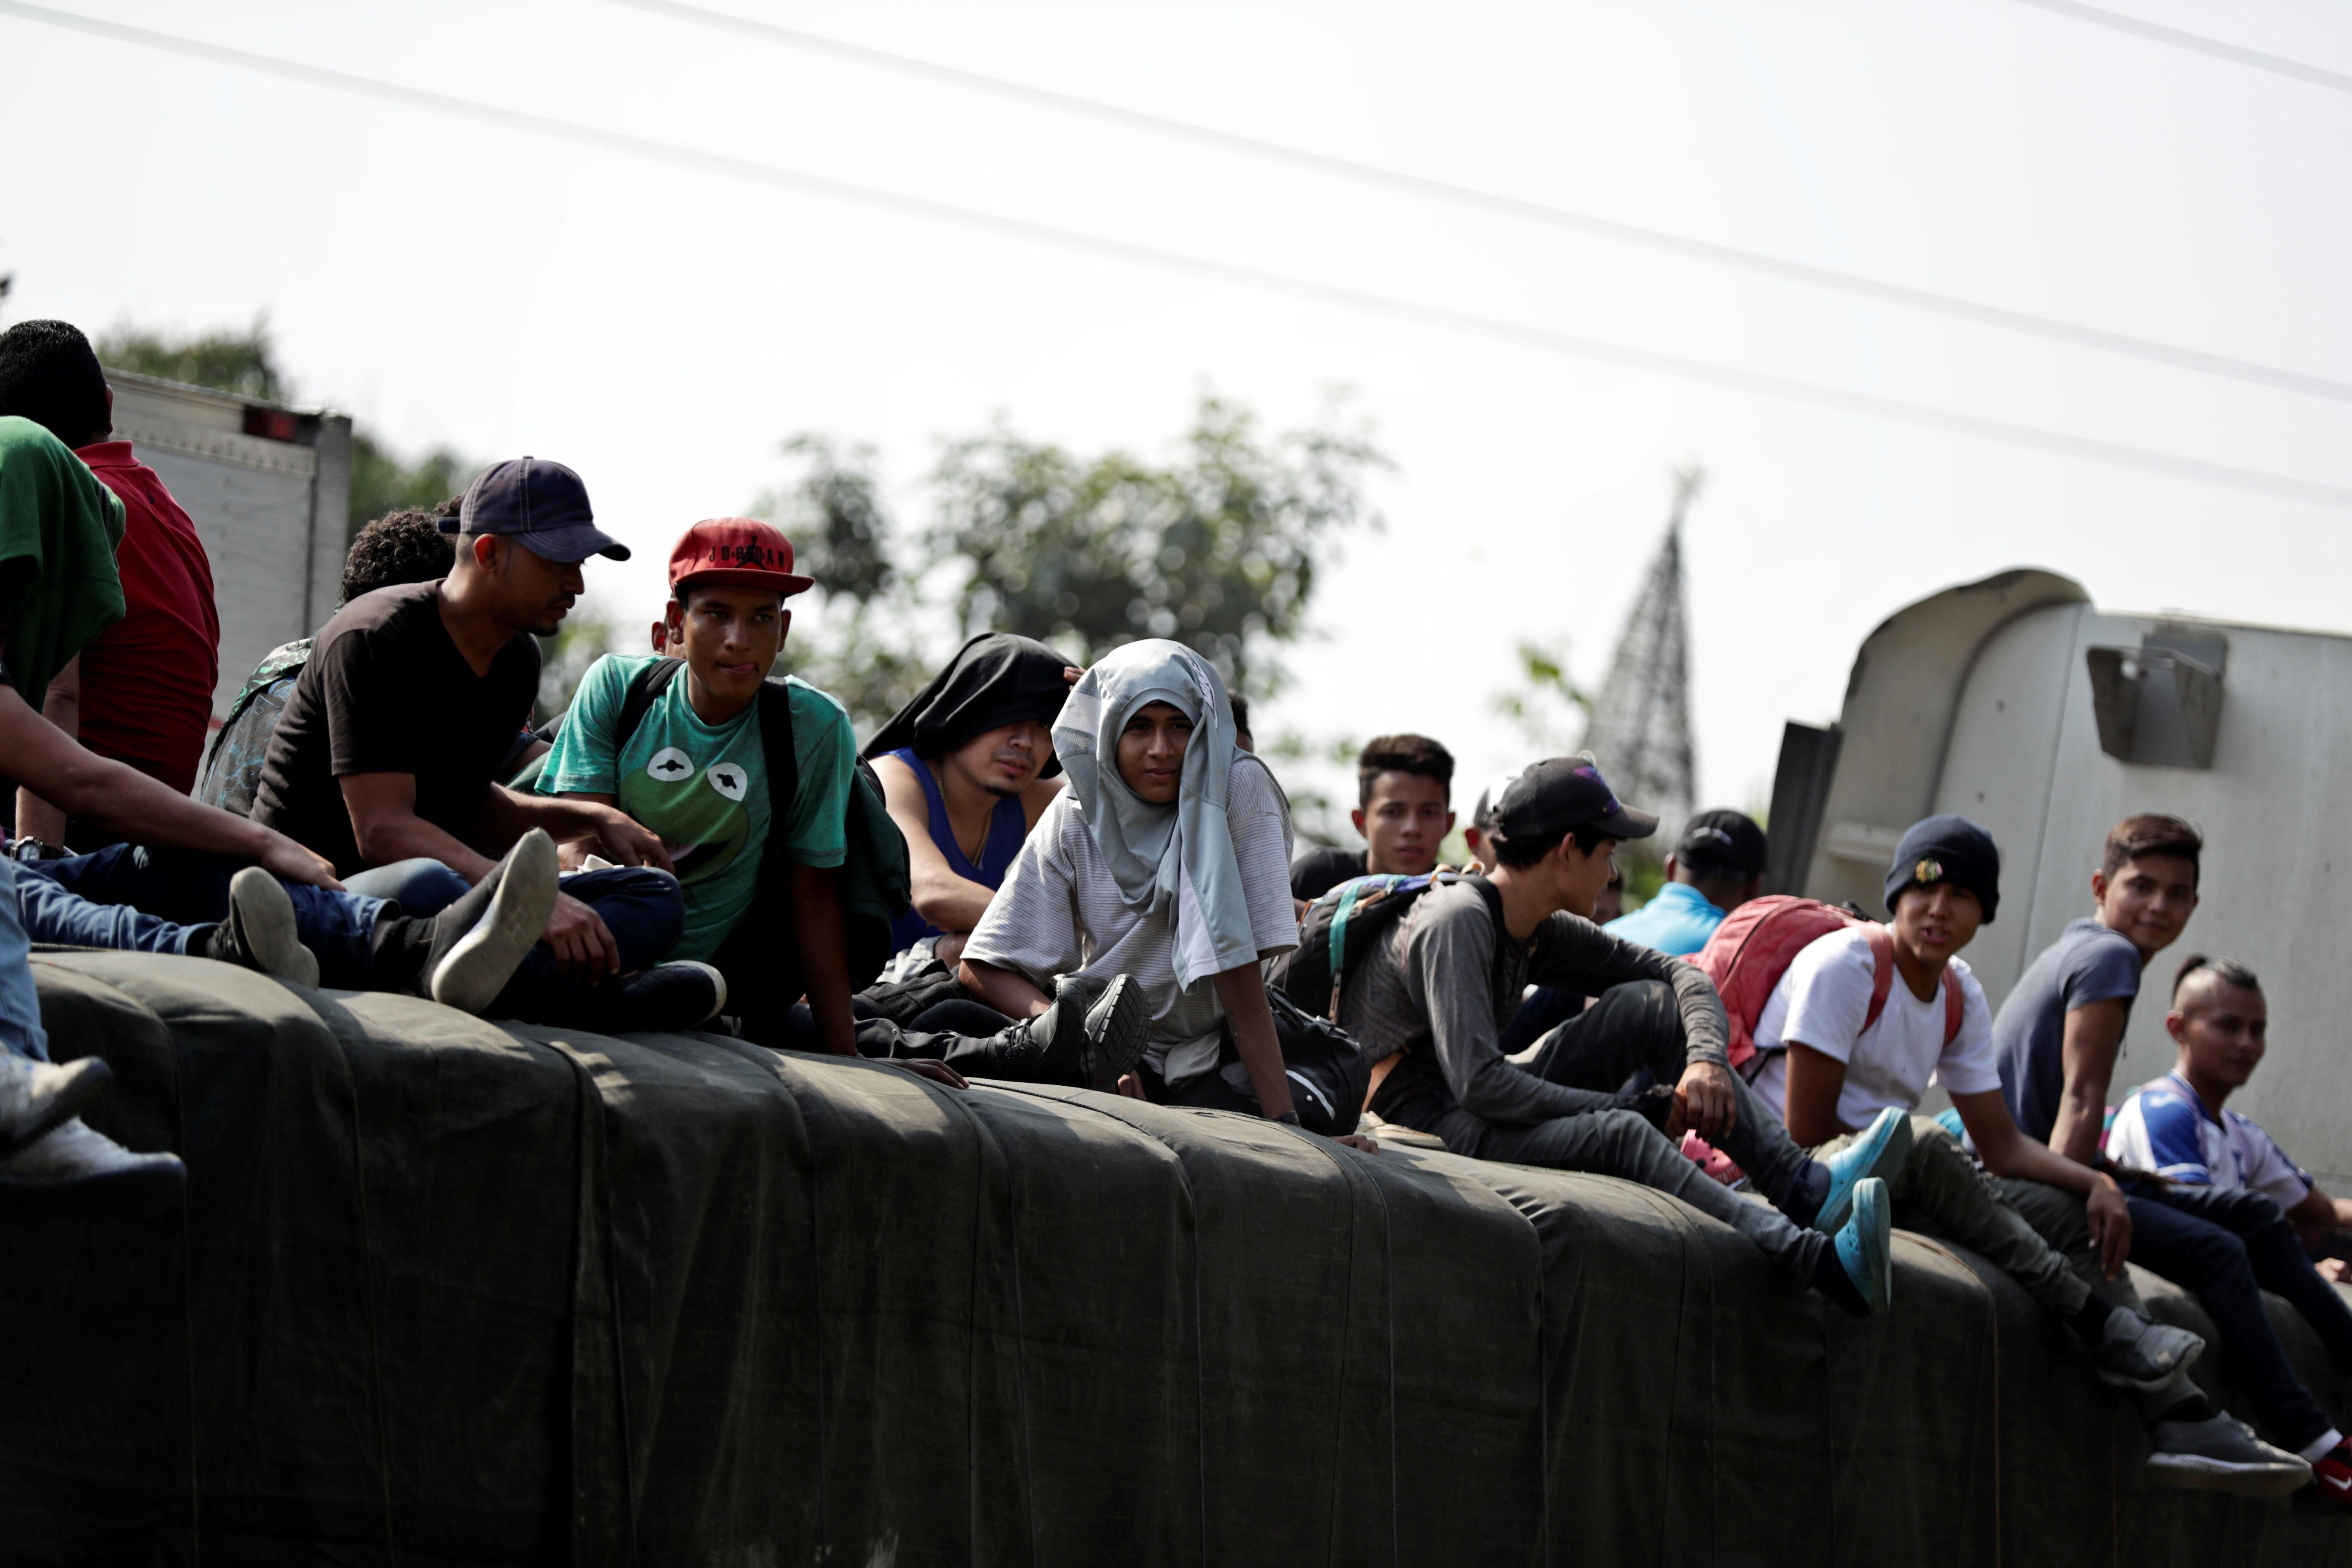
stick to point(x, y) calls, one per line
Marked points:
point(1639, 730)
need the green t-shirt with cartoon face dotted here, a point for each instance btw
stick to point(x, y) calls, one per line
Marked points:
point(704, 787)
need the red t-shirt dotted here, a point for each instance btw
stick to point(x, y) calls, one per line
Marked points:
point(147, 680)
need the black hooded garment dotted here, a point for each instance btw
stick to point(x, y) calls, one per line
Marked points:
point(996, 679)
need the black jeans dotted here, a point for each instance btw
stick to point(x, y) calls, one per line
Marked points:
point(2228, 1247)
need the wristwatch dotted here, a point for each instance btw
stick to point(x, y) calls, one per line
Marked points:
point(1288, 1119)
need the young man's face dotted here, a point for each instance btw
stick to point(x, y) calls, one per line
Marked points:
point(1611, 902)
point(2222, 1030)
point(1403, 821)
point(728, 636)
point(1151, 752)
point(1004, 761)
point(1583, 877)
point(1935, 921)
point(533, 594)
point(2148, 900)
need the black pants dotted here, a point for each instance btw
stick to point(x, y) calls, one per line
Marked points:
point(967, 1036)
point(2228, 1248)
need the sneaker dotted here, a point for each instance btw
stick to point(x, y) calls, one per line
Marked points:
point(1879, 1151)
point(2134, 1353)
point(1091, 1036)
point(2331, 1478)
point(2222, 1454)
point(477, 942)
point(1866, 1244)
point(72, 1161)
point(34, 1097)
point(259, 932)
point(679, 994)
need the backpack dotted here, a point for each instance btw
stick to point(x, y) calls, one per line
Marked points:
point(1756, 942)
point(1341, 926)
point(1330, 1078)
point(874, 879)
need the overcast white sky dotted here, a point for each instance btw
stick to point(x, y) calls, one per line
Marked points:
point(660, 330)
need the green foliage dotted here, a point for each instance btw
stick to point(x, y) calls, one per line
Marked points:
point(1546, 699)
point(834, 515)
point(1219, 550)
point(244, 364)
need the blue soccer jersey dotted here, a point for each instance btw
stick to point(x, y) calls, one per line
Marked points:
point(2164, 1128)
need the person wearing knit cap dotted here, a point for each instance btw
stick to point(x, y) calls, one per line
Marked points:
point(1843, 1047)
point(967, 767)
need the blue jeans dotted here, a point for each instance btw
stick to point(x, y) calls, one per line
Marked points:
point(2227, 1248)
point(20, 1006)
point(646, 912)
point(137, 899)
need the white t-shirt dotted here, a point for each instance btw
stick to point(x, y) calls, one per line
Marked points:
point(1821, 1000)
point(1059, 912)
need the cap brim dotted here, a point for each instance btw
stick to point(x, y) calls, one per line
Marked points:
point(1626, 822)
point(572, 545)
point(785, 582)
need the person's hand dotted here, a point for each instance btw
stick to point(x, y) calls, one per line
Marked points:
point(2331, 1269)
point(582, 943)
point(2111, 1225)
point(1072, 674)
point(290, 862)
point(923, 1067)
point(621, 839)
point(1704, 1102)
point(1131, 1085)
point(1352, 1141)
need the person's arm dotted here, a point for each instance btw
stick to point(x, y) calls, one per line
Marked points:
point(35, 817)
point(506, 814)
point(1242, 992)
point(124, 800)
point(1814, 1080)
point(950, 902)
point(1009, 993)
point(2006, 1151)
point(817, 930)
point(2318, 1212)
point(1576, 956)
point(2094, 1032)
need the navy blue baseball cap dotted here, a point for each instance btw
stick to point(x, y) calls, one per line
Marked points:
point(540, 505)
point(1561, 792)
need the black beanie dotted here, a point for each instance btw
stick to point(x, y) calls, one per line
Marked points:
point(1947, 850)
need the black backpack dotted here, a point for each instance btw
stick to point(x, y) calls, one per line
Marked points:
point(759, 954)
point(1340, 927)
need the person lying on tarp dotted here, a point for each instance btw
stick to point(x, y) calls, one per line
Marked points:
point(1431, 996)
point(1165, 861)
point(968, 767)
point(750, 783)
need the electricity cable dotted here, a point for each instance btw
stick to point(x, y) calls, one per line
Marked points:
point(2278, 65)
point(1761, 382)
point(1806, 274)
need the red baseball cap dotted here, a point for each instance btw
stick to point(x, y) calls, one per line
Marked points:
point(736, 550)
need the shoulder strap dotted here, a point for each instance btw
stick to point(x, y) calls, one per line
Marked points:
point(784, 761)
point(1882, 970)
point(1955, 1005)
point(645, 688)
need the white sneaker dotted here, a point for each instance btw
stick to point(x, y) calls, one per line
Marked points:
point(34, 1097)
point(71, 1160)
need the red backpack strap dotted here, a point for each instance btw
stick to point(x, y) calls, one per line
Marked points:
point(1882, 970)
point(1955, 1007)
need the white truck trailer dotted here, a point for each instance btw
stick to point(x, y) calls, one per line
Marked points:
point(2017, 702)
point(268, 488)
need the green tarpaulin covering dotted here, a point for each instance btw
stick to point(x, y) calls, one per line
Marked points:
point(448, 1292)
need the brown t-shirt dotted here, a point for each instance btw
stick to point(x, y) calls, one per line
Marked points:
point(386, 691)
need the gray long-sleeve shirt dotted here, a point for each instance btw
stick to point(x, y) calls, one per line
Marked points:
point(1437, 982)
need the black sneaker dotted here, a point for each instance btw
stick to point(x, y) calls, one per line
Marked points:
point(259, 932)
point(1091, 1036)
point(680, 994)
point(477, 942)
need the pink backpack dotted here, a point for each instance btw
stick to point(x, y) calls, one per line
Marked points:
point(1756, 942)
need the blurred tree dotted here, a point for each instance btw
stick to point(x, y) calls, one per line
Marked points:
point(1550, 710)
point(1219, 550)
point(245, 363)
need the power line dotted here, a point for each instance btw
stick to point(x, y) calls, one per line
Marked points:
point(1953, 306)
point(2278, 65)
point(1764, 383)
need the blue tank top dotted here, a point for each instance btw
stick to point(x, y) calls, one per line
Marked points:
point(1008, 825)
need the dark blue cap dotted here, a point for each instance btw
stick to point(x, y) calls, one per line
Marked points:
point(1561, 792)
point(540, 505)
point(1946, 848)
